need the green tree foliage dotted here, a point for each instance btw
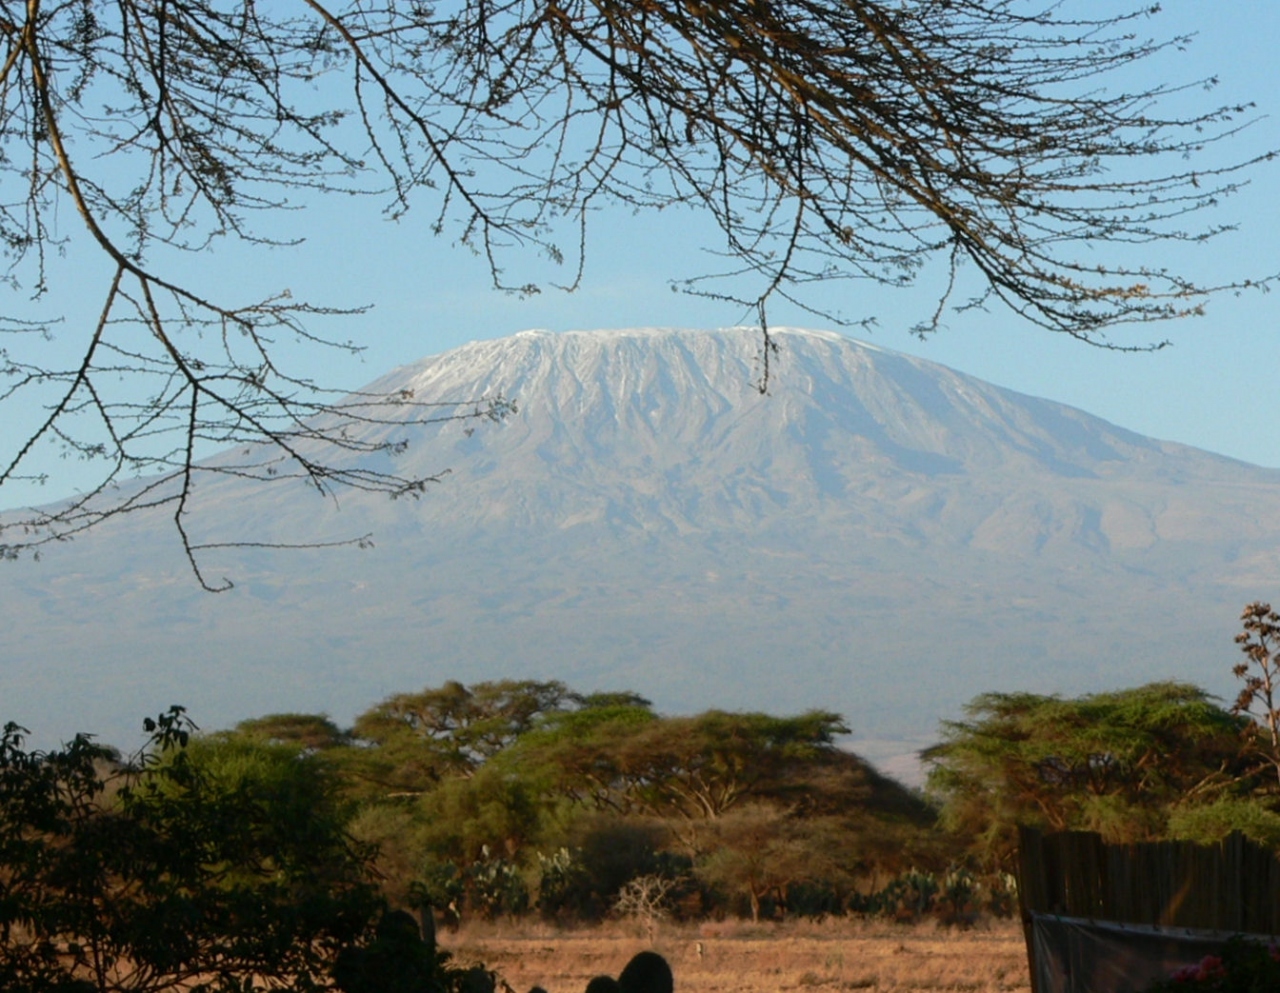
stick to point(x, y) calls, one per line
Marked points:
point(700, 767)
point(693, 768)
point(452, 797)
point(691, 773)
point(490, 809)
point(1118, 763)
point(219, 865)
point(1251, 815)
point(427, 737)
point(573, 753)
point(392, 831)
point(757, 850)
point(310, 732)
point(463, 788)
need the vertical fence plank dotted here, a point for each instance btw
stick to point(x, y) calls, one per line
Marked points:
point(1233, 886)
point(1032, 888)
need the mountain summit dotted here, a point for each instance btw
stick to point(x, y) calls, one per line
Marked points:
point(877, 534)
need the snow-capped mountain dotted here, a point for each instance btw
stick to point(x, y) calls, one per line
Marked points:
point(876, 534)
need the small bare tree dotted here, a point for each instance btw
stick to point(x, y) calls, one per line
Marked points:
point(828, 139)
point(1260, 696)
point(644, 900)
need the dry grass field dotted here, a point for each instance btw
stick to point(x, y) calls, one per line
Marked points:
point(735, 957)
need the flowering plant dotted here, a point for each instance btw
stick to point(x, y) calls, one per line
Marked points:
point(1240, 967)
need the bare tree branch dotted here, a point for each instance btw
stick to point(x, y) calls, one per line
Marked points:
point(827, 139)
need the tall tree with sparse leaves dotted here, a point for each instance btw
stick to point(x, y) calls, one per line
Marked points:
point(1260, 695)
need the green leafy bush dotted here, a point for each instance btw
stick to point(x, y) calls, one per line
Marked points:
point(184, 868)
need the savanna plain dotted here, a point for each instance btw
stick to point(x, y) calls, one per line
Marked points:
point(738, 957)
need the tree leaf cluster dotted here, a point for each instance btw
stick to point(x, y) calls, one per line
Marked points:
point(501, 796)
point(271, 850)
point(190, 866)
point(1138, 764)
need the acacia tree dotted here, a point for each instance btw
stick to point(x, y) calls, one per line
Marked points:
point(758, 850)
point(688, 773)
point(856, 139)
point(449, 731)
point(691, 769)
point(309, 732)
point(1120, 763)
point(698, 768)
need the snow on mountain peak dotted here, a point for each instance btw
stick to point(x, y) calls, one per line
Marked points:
point(877, 534)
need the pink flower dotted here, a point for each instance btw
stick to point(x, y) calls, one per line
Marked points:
point(1210, 967)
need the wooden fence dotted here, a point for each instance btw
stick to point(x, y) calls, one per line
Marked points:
point(1232, 886)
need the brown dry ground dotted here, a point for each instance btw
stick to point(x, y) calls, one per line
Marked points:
point(736, 957)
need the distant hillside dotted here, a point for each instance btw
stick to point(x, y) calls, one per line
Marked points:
point(878, 535)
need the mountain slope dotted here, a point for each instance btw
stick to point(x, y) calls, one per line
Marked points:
point(878, 534)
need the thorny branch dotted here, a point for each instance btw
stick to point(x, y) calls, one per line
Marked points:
point(828, 139)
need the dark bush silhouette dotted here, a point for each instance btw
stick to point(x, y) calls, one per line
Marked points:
point(648, 972)
point(396, 961)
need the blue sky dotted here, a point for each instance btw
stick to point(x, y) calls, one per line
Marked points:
point(1214, 388)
